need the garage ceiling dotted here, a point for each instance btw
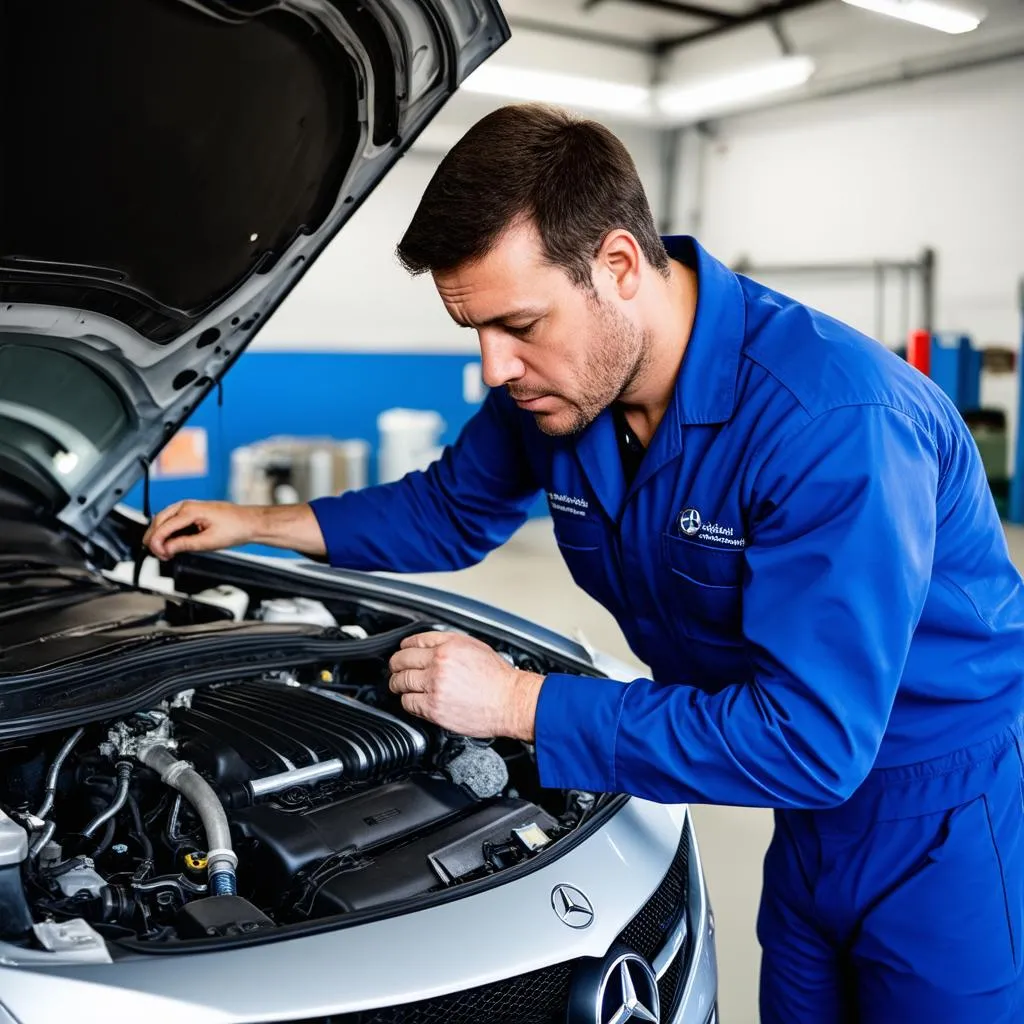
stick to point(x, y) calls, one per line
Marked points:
point(649, 42)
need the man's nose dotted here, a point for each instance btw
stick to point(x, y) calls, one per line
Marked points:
point(499, 362)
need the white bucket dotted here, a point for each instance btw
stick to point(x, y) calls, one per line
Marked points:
point(408, 441)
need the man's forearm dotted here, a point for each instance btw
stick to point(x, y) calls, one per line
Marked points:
point(288, 526)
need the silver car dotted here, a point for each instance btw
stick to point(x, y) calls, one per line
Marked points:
point(212, 810)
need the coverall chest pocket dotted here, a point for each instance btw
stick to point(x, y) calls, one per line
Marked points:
point(703, 591)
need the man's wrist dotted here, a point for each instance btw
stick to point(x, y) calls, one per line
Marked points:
point(287, 526)
point(525, 695)
point(260, 523)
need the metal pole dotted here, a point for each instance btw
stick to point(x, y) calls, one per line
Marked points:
point(880, 302)
point(927, 268)
point(670, 142)
point(1016, 510)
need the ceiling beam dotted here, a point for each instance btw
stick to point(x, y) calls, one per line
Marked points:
point(691, 10)
point(584, 35)
point(753, 17)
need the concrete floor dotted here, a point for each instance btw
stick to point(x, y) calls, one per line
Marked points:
point(528, 577)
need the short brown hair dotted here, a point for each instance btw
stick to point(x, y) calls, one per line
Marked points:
point(572, 178)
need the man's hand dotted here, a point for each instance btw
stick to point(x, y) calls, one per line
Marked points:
point(213, 525)
point(463, 686)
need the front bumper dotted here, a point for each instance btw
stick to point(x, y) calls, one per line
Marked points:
point(451, 963)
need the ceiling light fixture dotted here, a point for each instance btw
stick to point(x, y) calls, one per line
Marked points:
point(557, 88)
point(708, 96)
point(683, 102)
point(939, 16)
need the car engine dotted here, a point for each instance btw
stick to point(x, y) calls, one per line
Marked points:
point(258, 803)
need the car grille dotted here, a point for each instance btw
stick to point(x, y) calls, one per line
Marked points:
point(540, 997)
point(658, 917)
point(670, 991)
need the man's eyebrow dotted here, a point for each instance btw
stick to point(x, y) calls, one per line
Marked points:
point(501, 318)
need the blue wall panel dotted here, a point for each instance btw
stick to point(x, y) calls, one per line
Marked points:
point(334, 394)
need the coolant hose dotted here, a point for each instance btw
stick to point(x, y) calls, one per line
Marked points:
point(54, 772)
point(124, 775)
point(180, 775)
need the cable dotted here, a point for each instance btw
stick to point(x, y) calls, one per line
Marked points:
point(147, 512)
point(172, 824)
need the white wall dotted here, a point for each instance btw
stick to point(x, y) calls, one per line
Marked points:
point(885, 173)
point(357, 297)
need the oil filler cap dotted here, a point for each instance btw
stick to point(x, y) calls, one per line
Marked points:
point(195, 863)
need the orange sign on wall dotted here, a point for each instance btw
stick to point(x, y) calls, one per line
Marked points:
point(186, 454)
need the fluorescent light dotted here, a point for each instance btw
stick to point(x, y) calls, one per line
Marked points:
point(710, 95)
point(556, 88)
point(65, 462)
point(938, 16)
point(705, 96)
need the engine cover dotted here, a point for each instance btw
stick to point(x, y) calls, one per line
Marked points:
point(285, 841)
point(239, 733)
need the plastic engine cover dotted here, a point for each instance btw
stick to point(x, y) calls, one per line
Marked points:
point(444, 856)
point(285, 842)
point(252, 730)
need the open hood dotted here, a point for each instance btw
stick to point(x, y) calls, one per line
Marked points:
point(169, 169)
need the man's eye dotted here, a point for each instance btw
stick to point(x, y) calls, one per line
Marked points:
point(523, 331)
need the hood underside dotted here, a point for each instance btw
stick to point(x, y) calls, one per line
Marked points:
point(170, 169)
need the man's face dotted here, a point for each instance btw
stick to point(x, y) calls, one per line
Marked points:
point(564, 353)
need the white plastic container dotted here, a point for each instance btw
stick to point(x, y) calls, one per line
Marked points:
point(354, 457)
point(149, 577)
point(296, 609)
point(234, 599)
point(408, 441)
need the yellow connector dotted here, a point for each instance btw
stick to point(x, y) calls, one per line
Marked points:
point(195, 861)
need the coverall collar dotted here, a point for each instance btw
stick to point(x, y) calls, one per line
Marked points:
point(705, 388)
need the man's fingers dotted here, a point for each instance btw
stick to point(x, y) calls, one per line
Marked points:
point(411, 657)
point(412, 680)
point(190, 542)
point(163, 515)
point(167, 513)
point(435, 638)
point(157, 541)
point(415, 704)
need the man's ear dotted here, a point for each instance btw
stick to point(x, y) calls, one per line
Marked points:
point(619, 262)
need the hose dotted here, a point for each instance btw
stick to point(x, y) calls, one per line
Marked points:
point(106, 841)
point(54, 772)
point(124, 775)
point(140, 832)
point(42, 839)
point(180, 775)
point(63, 868)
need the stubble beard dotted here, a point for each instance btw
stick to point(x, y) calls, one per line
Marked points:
point(612, 366)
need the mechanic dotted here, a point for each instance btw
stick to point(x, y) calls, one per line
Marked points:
point(794, 530)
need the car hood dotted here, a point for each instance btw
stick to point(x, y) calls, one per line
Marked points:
point(170, 169)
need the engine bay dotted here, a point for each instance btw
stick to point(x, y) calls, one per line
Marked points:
point(266, 798)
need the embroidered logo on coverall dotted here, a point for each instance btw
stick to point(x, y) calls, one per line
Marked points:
point(690, 522)
point(692, 525)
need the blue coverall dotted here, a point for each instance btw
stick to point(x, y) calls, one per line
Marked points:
point(811, 564)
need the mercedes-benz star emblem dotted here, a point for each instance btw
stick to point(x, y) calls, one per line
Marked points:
point(629, 992)
point(689, 522)
point(571, 906)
